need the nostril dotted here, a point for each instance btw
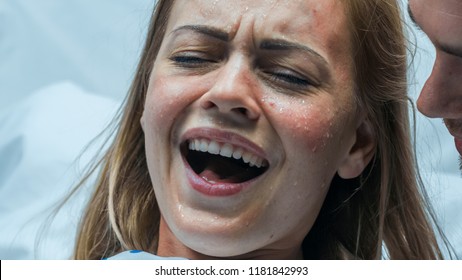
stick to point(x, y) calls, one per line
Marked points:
point(207, 104)
point(242, 111)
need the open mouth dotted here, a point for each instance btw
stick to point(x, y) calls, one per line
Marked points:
point(222, 162)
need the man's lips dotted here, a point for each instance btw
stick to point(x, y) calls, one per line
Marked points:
point(458, 142)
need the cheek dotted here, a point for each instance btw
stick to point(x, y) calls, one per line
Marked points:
point(169, 99)
point(164, 101)
point(306, 124)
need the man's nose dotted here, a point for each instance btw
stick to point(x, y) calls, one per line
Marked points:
point(441, 96)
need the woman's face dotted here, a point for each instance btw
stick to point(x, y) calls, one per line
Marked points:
point(249, 114)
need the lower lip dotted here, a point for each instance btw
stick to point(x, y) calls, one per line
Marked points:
point(213, 189)
point(458, 142)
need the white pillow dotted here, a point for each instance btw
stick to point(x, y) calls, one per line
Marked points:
point(93, 43)
point(40, 141)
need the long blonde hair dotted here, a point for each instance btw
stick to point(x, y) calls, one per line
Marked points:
point(382, 207)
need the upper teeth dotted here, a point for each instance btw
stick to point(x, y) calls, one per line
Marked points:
point(226, 150)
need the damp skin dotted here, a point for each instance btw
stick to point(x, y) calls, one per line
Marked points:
point(295, 103)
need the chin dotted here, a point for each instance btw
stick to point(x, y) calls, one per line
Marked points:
point(219, 240)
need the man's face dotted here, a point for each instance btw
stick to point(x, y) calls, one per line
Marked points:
point(441, 96)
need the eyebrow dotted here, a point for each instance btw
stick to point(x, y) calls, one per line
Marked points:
point(206, 30)
point(283, 45)
point(267, 44)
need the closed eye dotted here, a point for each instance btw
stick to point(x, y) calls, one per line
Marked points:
point(190, 61)
point(289, 78)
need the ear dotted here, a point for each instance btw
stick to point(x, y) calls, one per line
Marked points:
point(361, 152)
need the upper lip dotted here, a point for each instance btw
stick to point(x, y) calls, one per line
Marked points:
point(224, 137)
point(454, 127)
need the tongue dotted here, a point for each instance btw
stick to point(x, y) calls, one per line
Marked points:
point(217, 169)
point(209, 176)
point(212, 177)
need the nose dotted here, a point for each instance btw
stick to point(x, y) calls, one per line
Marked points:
point(234, 91)
point(441, 96)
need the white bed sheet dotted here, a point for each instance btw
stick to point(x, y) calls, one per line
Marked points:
point(64, 68)
point(42, 142)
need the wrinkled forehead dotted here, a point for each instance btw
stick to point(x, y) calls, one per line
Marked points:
point(323, 19)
